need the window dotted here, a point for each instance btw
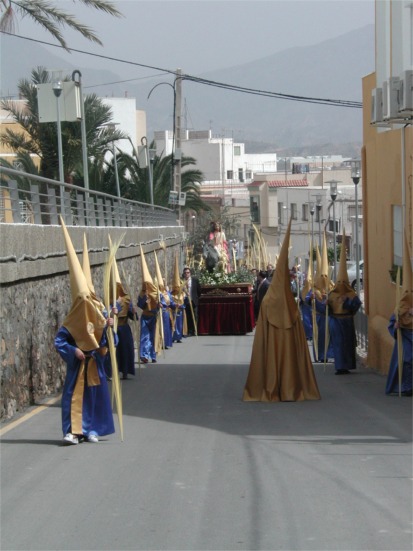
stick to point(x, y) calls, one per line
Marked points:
point(240, 175)
point(351, 212)
point(305, 211)
point(255, 209)
point(237, 150)
point(397, 236)
point(248, 174)
point(230, 174)
point(280, 213)
point(331, 225)
point(294, 211)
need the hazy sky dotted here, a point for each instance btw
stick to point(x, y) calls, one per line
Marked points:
point(203, 35)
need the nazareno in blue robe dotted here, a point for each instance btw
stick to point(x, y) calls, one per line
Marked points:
point(307, 317)
point(97, 417)
point(167, 307)
point(148, 326)
point(320, 308)
point(125, 349)
point(343, 335)
point(179, 323)
point(392, 384)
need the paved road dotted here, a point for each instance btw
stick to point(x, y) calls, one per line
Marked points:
point(201, 470)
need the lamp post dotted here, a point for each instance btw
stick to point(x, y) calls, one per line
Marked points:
point(355, 175)
point(312, 211)
point(333, 195)
point(57, 90)
point(148, 160)
point(176, 139)
point(115, 164)
point(319, 206)
point(77, 77)
point(152, 155)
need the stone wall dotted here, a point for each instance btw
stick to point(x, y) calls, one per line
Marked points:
point(35, 297)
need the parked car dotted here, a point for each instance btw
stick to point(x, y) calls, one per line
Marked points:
point(352, 274)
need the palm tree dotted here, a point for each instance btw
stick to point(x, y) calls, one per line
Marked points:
point(134, 181)
point(50, 17)
point(40, 139)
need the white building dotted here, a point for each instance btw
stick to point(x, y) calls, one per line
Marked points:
point(274, 198)
point(129, 120)
point(222, 161)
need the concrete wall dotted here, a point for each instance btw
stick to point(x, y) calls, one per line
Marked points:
point(35, 297)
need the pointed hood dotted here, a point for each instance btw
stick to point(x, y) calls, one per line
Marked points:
point(308, 284)
point(342, 288)
point(342, 276)
point(176, 290)
point(406, 302)
point(322, 281)
point(122, 298)
point(282, 309)
point(120, 291)
point(146, 276)
point(85, 321)
point(86, 266)
point(148, 284)
point(176, 278)
point(88, 275)
point(158, 274)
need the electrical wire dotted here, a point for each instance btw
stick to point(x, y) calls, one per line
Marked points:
point(207, 82)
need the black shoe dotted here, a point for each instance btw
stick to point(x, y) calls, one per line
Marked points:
point(154, 361)
point(124, 376)
point(343, 372)
point(407, 393)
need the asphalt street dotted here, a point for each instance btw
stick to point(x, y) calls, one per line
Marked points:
point(201, 470)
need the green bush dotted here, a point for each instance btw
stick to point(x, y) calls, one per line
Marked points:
point(219, 277)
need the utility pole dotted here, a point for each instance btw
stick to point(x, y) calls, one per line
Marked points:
point(178, 118)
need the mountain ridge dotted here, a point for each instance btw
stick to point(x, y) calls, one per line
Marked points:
point(332, 69)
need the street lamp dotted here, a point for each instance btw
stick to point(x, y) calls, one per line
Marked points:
point(77, 78)
point(57, 90)
point(152, 155)
point(148, 160)
point(355, 175)
point(333, 195)
point(176, 150)
point(319, 206)
point(312, 211)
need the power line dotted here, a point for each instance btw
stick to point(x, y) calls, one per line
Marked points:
point(199, 80)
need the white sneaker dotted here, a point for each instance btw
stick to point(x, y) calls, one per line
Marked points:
point(70, 439)
point(93, 438)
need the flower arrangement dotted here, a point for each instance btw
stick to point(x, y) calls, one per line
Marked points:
point(219, 277)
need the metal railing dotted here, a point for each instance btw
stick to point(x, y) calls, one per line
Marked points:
point(28, 198)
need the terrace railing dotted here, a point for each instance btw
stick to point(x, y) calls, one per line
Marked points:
point(31, 199)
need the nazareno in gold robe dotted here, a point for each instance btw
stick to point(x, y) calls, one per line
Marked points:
point(280, 369)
